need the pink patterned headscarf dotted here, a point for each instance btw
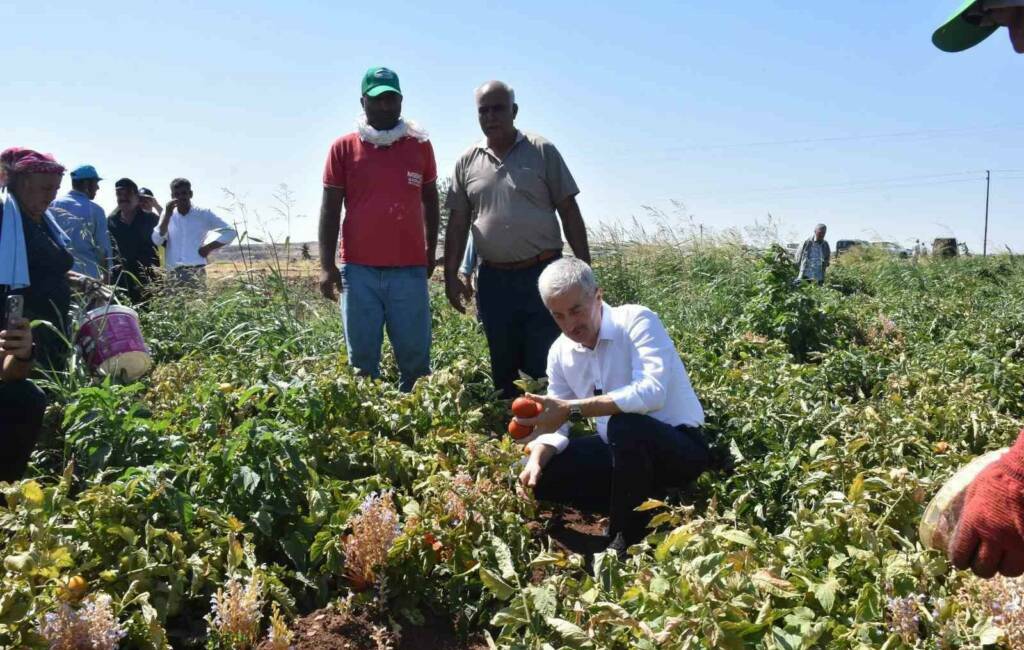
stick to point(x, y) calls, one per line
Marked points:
point(19, 160)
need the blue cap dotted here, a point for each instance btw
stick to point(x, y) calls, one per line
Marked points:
point(85, 173)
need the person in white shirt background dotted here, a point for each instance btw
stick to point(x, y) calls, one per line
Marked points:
point(184, 229)
point(619, 366)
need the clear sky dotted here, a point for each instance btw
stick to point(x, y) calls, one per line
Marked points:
point(841, 112)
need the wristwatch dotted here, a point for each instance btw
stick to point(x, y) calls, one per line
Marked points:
point(575, 413)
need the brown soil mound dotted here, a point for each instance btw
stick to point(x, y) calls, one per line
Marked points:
point(330, 629)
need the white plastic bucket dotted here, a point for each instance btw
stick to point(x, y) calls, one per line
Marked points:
point(111, 342)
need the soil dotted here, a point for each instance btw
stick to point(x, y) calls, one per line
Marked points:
point(330, 629)
point(574, 531)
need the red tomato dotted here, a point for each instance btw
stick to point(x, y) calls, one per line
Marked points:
point(524, 407)
point(519, 430)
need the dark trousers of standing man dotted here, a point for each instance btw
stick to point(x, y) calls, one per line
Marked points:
point(643, 459)
point(518, 326)
point(22, 406)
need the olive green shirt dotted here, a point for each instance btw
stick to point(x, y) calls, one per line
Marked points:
point(512, 201)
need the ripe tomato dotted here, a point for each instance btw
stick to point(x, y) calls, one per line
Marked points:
point(519, 430)
point(524, 407)
point(77, 586)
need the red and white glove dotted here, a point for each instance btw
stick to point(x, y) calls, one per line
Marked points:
point(990, 535)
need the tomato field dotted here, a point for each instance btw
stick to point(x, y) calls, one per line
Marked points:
point(251, 479)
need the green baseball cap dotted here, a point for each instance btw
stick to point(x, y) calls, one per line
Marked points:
point(378, 81)
point(965, 29)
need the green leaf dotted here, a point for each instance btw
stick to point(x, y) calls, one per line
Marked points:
point(508, 616)
point(826, 593)
point(495, 584)
point(674, 540)
point(786, 641)
point(737, 536)
point(991, 635)
point(659, 586)
point(856, 488)
point(13, 606)
point(869, 604)
point(33, 493)
point(650, 504)
point(544, 601)
point(248, 479)
point(569, 631)
point(504, 557)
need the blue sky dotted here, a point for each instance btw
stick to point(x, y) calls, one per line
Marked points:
point(719, 112)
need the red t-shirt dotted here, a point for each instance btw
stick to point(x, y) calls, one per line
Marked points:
point(383, 223)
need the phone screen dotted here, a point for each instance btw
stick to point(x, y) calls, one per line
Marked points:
point(13, 308)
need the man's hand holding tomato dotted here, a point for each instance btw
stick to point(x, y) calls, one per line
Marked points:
point(552, 415)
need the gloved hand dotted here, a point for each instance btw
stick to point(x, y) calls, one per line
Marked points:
point(990, 534)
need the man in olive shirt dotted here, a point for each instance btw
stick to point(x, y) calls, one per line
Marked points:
point(512, 183)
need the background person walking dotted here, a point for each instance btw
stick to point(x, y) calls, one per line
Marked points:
point(815, 256)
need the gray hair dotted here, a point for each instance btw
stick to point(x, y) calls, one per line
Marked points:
point(821, 226)
point(496, 85)
point(563, 275)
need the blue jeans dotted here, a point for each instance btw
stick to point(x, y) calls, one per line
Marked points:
point(396, 297)
point(519, 328)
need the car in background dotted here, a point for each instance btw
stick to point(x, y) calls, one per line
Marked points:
point(845, 245)
point(892, 248)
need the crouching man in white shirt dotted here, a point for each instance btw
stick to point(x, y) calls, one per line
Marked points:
point(618, 366)
point(184, 229)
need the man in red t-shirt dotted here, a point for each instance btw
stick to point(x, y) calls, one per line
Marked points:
point(385, 175)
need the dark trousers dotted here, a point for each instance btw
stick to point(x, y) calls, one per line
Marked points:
point(518, 326)
point(22, 405)
point(643, 459)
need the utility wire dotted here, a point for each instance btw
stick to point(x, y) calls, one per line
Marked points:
point(922, 134)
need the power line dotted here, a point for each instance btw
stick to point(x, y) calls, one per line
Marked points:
point(855, 186)
point(920, 134)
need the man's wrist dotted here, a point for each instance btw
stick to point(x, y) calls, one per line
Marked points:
point(572, 411)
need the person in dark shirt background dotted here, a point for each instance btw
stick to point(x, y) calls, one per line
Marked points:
point(131, 228)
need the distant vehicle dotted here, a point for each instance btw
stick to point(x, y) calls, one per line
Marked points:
point(844, 245)
point(793, 250)
point(892, 248)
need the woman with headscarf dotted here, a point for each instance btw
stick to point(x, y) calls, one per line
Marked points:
point(34, 269)
point(34, 257)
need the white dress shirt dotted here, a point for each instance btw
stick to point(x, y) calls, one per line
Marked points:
point(634, 362)
point(187, 233)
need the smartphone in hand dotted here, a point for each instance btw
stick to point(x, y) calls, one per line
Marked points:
point(14, 309)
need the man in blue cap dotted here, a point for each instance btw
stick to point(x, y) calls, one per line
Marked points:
point(85, 223)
